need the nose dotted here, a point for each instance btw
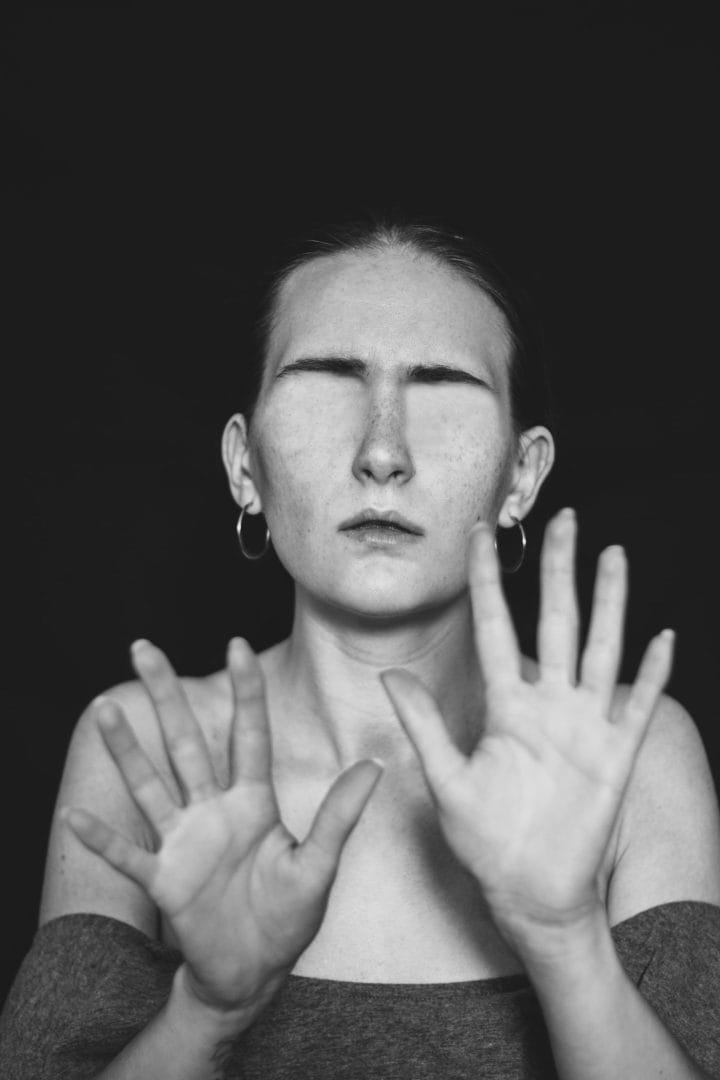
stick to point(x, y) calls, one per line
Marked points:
point(383, 453)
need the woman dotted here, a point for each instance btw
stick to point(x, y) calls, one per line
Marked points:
point(453, 861)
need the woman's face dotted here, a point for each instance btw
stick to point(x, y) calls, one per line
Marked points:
point(386, 391)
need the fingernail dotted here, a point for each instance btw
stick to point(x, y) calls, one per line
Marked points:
point(480, 528)
point(389, 671)
point(139, 643)
point(103, 715)
point(238, 648)
point(668, 635)
point(70, 817)
point(109, 720)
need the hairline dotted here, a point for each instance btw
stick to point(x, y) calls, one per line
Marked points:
point(388, 241)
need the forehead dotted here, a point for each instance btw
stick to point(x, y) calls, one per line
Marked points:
point(392, 303)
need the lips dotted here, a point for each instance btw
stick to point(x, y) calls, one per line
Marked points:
point(388, 519)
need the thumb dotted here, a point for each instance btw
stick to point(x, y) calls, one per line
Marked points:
point(420, 715)
point(338, 814)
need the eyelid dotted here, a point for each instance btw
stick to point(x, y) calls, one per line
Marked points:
point(445, 375)
point(422, 373)
point(333, 366)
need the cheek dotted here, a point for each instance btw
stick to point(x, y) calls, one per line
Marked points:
point(306, 419)
point(461, 448)
point(281, 471)
point(293, 454)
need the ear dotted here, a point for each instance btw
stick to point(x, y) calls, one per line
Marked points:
point(237, 459)
point(533, 461)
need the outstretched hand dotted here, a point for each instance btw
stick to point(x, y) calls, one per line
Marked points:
point(530, 812)
point(242, 896)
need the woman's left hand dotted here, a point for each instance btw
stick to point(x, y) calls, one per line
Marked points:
point(530, 812)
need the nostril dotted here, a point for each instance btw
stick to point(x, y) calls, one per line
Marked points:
point(384, 463)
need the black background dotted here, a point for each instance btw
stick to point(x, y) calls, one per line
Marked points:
point(153, 157)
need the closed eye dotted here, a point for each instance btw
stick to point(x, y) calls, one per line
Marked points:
point(342, 365)
point(335, 365)
point(441, 373)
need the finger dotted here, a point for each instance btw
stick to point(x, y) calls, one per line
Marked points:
point(494, 632)
point(128, 858)
point(652, 676)
point(601, 659)
point(425, 727)
point(142, 779)
point(183, 738)
point(338, 815)
point(558, 623)
point(250, 744)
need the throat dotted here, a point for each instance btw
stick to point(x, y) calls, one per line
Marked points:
point(329, 706)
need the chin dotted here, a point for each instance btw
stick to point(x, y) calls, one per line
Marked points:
point(389, 593)
point(390, 606)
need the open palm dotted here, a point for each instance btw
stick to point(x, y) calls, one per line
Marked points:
point(531, 810)
point(242, 896)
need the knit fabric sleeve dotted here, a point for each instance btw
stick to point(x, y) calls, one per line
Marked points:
point(672, 954)
point(87, 986)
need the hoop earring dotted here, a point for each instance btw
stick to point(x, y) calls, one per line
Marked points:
point(249, 554)
point(516, 566)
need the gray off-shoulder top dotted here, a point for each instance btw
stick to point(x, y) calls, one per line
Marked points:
point(90, 983)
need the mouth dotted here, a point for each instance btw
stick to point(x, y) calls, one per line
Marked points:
point(385, 521)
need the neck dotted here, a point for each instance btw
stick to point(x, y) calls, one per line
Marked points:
point(327, 679)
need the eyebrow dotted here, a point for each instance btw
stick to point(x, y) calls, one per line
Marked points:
point(350, 365)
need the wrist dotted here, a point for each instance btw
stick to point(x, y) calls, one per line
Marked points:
point(535, 929)
point(221, 1019)
point(568, 948)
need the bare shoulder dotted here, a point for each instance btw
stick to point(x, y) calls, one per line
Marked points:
point(77, 880)
point(672, 757)
point(668, 837)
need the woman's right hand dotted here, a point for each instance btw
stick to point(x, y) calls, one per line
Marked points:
point(242, 896)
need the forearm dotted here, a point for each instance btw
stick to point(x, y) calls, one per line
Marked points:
point(599, 1024)
point(186, 1040)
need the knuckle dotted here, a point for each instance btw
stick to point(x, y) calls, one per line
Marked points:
point(164, 691)
point(146, 788)
point(603, 641)
point(182, 745)
point(250, 688)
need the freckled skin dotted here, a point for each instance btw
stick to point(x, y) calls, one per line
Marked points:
point(325, 446)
